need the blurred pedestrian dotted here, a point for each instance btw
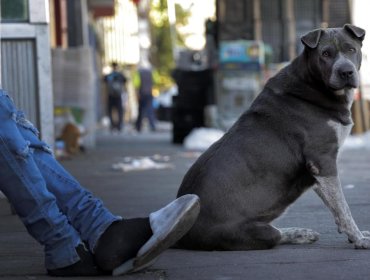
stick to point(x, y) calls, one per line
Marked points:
point(81, 237)
point(145, 99)
point(116, 89)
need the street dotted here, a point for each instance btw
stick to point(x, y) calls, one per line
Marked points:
point(137, 193)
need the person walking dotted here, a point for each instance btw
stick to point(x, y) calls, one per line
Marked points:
point(80, 236)
point(116, 89)
point(145, 99)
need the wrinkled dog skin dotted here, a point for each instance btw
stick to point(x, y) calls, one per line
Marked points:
point(286, 143)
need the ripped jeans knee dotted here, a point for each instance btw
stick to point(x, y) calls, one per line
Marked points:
point(24, 152)
point(16, 132)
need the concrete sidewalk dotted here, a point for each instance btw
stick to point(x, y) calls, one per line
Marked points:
point(137, 193)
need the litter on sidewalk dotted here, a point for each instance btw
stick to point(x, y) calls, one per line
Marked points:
point(143, 163)
point(202, 138)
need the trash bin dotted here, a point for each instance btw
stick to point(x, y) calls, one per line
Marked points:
point(239, 78)
point(189, 103)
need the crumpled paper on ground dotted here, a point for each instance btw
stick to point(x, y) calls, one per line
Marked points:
point(202, 138)
point(143, 163)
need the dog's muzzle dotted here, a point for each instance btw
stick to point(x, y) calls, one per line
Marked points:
point(344, 75)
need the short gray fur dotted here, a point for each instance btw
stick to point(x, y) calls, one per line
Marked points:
point(285, 143)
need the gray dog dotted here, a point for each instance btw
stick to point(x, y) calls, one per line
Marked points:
point(287, 142)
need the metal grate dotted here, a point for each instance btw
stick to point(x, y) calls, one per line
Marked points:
point(18, 75)
point(272, 27)
point(338, 13)
point(308, 16)
point(235, 20)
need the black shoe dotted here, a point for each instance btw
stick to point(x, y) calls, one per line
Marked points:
point(84, 267)
point(121, 242)
point(168, 224)
point(132, 245)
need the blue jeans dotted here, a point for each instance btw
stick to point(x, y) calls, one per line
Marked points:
point(115, 103)
point(146, 110)
point(56, 210)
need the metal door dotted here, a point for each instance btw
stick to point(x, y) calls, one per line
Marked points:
point(18, 75)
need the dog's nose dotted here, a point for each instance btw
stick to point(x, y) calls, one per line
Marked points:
point(345, 74)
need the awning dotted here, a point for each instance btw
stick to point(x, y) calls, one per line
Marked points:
point(101, 8)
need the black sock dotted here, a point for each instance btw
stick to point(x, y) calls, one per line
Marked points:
point(121, 242)
point(84, 267)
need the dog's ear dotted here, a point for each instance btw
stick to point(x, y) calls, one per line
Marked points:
point(358, 32)
point(311, 39)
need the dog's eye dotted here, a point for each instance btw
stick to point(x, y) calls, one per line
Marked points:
point(351, 49)
point(325, 53)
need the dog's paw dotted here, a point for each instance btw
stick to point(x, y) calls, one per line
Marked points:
point(365, 233)
point(298, 236)
point(363, 243)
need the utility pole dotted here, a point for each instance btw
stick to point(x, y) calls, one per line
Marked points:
point(144, 32)
point(257, 20)
point(172, 21)
point(290, 28)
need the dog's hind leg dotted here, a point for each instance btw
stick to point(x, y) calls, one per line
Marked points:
point(296, 235)
point(243, 236)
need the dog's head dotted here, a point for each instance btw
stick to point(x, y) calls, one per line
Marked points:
point(334, 55)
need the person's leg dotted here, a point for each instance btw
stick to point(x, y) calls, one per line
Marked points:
point(112, 240)
point(24, 186)
point(120, 113)
point(134, 249)
point(85, 212)
point(144, 107)
point(110, 112)
point(151, 115)
point(124, 101)
point(119, 245)
point(115, 116)
point(115, 242)
point(139, 116)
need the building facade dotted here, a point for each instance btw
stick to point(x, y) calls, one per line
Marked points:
point(25, 60)
point(278, 23)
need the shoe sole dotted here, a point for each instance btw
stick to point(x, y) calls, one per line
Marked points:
point(169, 224)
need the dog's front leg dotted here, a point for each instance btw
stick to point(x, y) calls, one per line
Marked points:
point(330, 191)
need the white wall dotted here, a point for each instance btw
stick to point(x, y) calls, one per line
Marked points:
point(38, 29)
point(360, 18)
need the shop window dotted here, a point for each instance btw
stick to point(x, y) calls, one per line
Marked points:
point(14, 10)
